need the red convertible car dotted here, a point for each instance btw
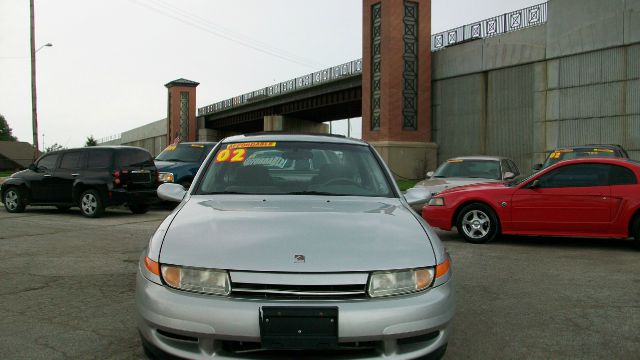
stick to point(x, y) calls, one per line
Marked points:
point(594, 197)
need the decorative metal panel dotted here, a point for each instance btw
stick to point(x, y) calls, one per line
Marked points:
point(184, 116)
point(516, 20)
point(410, 70)
point(376, 69)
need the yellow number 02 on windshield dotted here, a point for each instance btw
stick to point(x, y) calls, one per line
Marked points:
point(235, 155)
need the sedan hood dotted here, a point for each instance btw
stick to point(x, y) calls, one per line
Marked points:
point(167, 166)
point(266, 233)
point(436, 185)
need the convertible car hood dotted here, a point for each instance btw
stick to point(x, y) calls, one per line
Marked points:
point(476, 187)
point(334, 234)
point(436, 185)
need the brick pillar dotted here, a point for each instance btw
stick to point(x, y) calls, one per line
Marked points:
point(396, 83)
point(181, 110)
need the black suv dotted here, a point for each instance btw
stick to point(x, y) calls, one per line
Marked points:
point(91, 178)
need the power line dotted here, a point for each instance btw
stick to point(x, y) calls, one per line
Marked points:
point(232, 33)
point(219, 34)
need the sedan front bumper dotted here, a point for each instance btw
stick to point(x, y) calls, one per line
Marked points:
point(198, 326)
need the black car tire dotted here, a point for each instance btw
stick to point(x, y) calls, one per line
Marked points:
point(635, 231)
point(139, 208)
point(63, 208)
point(478, 223)
point(13, 200)
point(91, 204)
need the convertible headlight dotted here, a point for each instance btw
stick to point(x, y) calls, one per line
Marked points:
point(436, 201)
point(165, 177)
point(205, 281)
point(388, 283)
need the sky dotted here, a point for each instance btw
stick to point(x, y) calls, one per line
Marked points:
point(110, 59)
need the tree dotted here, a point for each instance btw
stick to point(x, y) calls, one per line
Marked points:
point(91, 141)
point(6, 134)
point(54, 147)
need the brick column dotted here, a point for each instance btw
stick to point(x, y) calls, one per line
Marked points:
point(181, 110)
point(396, 83)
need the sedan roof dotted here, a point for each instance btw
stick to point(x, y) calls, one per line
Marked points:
point(275, 136)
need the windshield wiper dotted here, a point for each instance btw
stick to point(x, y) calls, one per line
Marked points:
point(322, 193)
point(170, 160)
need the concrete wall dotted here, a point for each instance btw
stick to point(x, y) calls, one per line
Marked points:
point(152, 137)
point(575, 80)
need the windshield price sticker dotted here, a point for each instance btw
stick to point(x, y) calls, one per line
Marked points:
point(603, 150)
point(251, 145)
point(234, 155)
point(197, 146)
point(455, 161)
point(170, 148)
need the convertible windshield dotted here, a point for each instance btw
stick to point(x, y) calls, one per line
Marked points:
point(463, 168)
point(182, 152)
point(294, 168)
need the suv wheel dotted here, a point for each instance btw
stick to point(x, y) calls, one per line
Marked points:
point(477, 223)
point(13, 200)
point(91, 204)
point(139, 208)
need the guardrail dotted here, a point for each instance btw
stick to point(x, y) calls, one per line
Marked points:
point(516, 20)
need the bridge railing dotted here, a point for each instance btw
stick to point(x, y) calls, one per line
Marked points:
point(109, 138)
point(515, 20)
point(337, 72)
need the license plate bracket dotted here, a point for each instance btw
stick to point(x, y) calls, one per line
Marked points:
point(299, 328)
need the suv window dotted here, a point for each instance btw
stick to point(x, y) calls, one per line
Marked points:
point(133, 157)
point(620, 175)
point(48, 162)
point(71, 160)
point(99, 159)
point(578, 175)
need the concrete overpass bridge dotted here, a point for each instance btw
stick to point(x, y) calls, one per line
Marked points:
point(518, 85)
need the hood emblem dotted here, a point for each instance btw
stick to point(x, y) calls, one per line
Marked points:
point(299, 259)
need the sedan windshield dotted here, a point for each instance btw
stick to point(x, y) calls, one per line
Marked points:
point(567, 154)
point(463, 168)
point(182, 153)
point(295, 168)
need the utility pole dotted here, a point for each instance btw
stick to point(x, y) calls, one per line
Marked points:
point(34, 106)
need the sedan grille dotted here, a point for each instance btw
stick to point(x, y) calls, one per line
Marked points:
point(312, 292)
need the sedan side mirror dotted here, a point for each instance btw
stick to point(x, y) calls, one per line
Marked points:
point(509, 175)
point(33, 167)
point(417, 197)
point(171, 192)
point(537, 167)
point(430, 174)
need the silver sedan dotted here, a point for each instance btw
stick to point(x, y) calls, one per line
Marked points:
point(460, 171)
point(293, 245)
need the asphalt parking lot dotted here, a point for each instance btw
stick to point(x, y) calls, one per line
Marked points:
point(67, 291)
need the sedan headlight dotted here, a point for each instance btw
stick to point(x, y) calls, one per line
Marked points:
point(205, 281)
point(436, 201)
point(388, 283)
point(166, 177)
